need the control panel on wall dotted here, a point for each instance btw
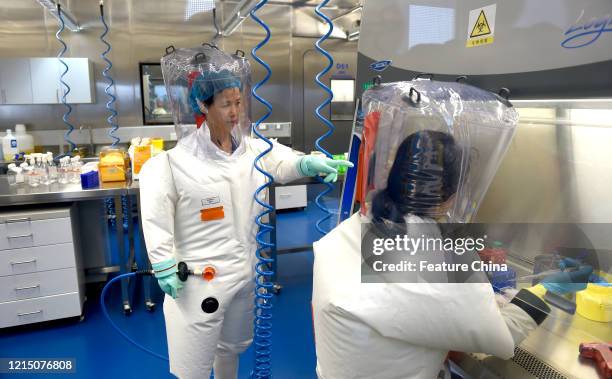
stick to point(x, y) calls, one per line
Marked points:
point(36, 81)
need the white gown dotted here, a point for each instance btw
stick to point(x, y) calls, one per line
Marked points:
point(177, 187)
point(399, 330)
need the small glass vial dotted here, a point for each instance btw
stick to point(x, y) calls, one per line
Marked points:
point(11, 175)
point(51, 169)
point(43, 176)
point(75, 170)
point(34, 180)
point(25, 172)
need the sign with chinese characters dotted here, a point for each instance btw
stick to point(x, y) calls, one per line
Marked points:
point(481, 26)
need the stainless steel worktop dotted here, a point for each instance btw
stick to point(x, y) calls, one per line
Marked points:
point(550, 351)
point(556, 342)
point(22, 194)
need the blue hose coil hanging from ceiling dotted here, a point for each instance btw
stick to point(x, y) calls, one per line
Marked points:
point(262, 325)
point(65, 86)
point(111, 83)
point(110, 204)
point(330, 126)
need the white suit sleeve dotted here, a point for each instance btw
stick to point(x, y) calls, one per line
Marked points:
point(281, 161)
point(518, 321)
point(157, 203)
point(439, 316)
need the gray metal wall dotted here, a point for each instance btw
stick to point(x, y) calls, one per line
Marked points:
point(530, 54)
point(140, 31)
point(557, 167)
point(307, 62)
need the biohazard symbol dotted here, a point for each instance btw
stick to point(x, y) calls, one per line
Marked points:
point(481, 28)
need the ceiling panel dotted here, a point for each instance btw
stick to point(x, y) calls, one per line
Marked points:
point(157, 16)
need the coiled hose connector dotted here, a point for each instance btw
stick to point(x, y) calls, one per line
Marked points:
point(330, 127)
point(264, 273)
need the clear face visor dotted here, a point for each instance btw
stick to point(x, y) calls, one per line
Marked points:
point(430, 149)
point(210, 90)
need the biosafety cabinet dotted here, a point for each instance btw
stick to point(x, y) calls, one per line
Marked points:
point(554, 59)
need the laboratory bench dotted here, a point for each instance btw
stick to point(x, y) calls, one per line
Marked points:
point(92, 236)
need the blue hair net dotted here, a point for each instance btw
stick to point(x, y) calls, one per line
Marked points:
point(208, 84)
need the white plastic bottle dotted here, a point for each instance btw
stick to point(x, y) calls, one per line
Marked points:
point(51, 168)
point(25, 141)
point(9, 146)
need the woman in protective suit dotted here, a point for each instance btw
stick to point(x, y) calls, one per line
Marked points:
point(197, 207)
point(429, 159)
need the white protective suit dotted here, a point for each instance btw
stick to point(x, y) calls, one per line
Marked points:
point(399, 330)
point(174, 187)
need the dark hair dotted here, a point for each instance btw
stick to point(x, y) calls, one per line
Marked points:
point(208, 102)
point(424, 175)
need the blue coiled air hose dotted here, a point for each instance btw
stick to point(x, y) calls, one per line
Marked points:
point(111, 83)
point(110, 205)
point(65, 86)
point(262, 325)
point(330, 126)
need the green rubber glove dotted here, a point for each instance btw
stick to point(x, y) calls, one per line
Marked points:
point(311, 165)
point(165, 272)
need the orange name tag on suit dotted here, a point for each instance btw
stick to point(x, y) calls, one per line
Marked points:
point(212, 209)
point(212, 214)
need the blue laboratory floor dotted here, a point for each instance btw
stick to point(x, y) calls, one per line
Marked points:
point(101, 353)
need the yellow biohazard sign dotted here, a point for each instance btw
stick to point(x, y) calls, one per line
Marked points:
point(481, 26)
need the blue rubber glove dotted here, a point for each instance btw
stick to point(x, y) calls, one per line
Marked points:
point(165, 272)
point(568, 281)
point(311, 165)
